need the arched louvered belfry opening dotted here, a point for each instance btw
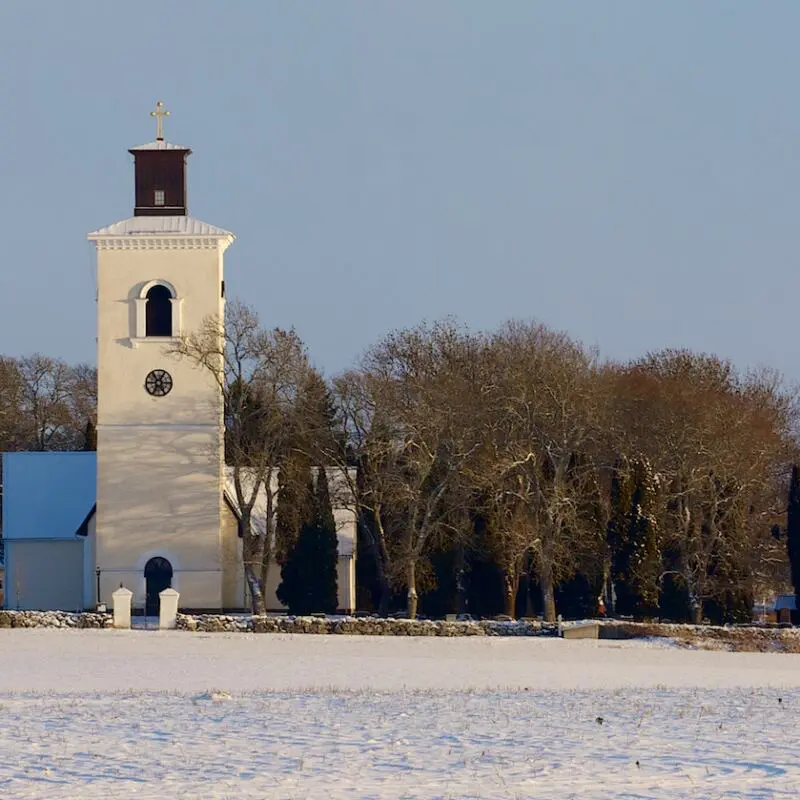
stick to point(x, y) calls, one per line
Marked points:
point(157, 577)
point(158, 312)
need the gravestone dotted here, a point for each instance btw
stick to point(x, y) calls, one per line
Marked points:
point(121, 600)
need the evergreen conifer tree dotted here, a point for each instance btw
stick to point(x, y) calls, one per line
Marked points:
point(617, 538)
point(327, 547)
point(294, 504)
point(644, 560)
point(308, 577)
point(294, 590)
point(318, 430)
point(636, 557)
point(793, 531)
point(90, 436)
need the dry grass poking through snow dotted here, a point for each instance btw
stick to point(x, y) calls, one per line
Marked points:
point(168, 715)
point(639, 743)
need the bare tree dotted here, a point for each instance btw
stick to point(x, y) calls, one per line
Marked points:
point(258, 372)
point(83, 395)
point(11, 434)
point(56, 401)
point(538, 467)
point(45, 404)
point(423, 385)
point(368, 446)
point(718, 442)
point(513, 532)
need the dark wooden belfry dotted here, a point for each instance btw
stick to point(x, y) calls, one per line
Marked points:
point(160, 182)
point(160, 169)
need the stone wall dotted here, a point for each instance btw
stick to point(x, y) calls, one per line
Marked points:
point(368, 626)
point(768, 638)
point(54, 619)
point(753, 638)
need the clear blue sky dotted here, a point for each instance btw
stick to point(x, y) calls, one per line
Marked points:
point(627, 171)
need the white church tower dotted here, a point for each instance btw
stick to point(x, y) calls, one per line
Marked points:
point(159, 419)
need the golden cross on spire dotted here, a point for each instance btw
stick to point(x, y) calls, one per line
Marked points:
point(159, 114)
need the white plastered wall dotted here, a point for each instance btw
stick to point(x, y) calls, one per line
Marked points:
point(159, 459)
point(45, 574)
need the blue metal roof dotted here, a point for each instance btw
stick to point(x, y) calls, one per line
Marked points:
point(47, 495)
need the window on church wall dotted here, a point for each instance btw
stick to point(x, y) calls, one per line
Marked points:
point(158, 197)
point(158, 314)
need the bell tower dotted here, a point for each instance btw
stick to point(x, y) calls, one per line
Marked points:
point(160, 170)
point(159, 418)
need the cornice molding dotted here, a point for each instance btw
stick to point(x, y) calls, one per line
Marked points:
point(130, 242)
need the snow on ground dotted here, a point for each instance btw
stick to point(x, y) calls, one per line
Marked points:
point(93, 714)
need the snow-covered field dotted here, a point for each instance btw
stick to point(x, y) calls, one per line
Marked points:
point(91, 714)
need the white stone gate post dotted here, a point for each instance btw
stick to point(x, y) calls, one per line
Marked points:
point(121, 600)
point(168, 610)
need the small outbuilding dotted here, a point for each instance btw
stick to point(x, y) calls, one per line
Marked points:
point(48, 530)
point(785, 606)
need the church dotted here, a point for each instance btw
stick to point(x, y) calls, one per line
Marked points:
point(154, 506)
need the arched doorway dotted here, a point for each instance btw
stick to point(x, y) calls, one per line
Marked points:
point(157, 577)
